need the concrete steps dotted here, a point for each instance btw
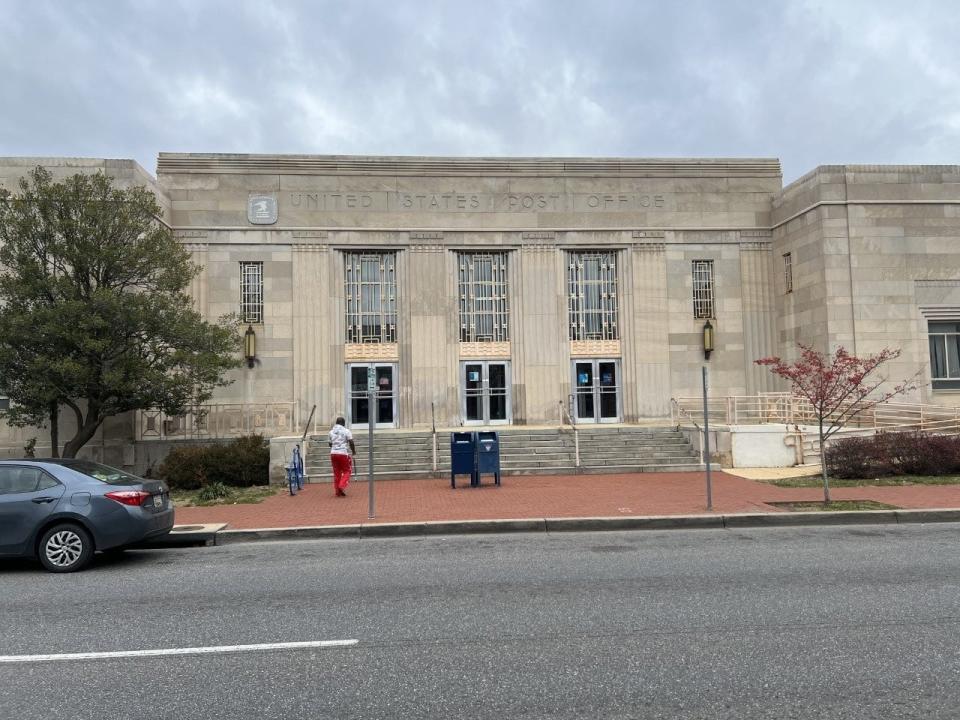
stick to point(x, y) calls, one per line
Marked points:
point(619, 449)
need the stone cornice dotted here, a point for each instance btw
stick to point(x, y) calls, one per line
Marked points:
point(450, 166)
point(825, 203)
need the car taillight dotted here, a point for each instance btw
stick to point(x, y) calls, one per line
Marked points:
point(128, 497)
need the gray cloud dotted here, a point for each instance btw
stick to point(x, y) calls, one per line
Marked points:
point(812, 82)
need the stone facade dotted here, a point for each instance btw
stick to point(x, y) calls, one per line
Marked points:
point(656, 216)
point(874, 251)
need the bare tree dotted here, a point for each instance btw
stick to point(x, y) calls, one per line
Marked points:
point(838, 387)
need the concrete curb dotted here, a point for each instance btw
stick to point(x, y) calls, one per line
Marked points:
point(649, 522)
point(589, 524)
point(187, 535)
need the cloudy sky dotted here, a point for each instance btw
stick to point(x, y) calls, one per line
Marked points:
point(811, 82)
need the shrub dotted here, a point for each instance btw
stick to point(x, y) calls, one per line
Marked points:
point(213, 491)
point(853, 458)
point(934, 455)
point(895, 453)
point(240, 463)
point(185, 468)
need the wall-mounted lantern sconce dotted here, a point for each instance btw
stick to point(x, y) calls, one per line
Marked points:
point(707, 340)
point(250, 346)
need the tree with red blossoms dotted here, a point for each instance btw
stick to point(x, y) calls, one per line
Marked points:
point(839, 387)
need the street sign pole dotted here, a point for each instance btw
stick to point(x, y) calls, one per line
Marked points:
point(706, 441)
point(371, 419)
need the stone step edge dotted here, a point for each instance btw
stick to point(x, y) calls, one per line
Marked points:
point(524, 471)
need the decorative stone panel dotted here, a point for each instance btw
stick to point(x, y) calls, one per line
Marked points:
point(369, 352)
point(484, 350)
point(594, 348)
point(651, 247)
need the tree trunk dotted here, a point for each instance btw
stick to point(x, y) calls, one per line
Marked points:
point(55, 429)
point(83, 436)
point(823, 466)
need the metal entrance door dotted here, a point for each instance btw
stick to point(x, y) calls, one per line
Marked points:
point(596, 396)
point(485, 392)
point(358, 403)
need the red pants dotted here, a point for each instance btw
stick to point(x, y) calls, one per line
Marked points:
point(342, 467)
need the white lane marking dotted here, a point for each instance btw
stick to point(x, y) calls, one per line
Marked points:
point(177, 651)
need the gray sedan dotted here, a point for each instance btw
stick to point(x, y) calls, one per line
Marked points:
point(61, 511)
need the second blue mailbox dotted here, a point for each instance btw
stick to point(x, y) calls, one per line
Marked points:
point(488, 455)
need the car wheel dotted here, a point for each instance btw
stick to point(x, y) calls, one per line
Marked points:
point(65, 548)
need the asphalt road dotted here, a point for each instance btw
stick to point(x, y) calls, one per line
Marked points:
point(767, 623)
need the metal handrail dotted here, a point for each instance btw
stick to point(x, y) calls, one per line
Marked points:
point(306, 425)
point(219, 420)
point(576, 433)
point(792, 410)
point(433, 430)
point(683, 413)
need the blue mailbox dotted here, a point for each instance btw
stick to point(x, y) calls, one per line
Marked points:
point(488, 455)
point(463, 457)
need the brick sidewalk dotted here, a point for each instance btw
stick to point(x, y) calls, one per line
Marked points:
point(526, 496)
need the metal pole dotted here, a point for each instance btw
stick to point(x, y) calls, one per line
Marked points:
point(371, 414)
point(706, 441)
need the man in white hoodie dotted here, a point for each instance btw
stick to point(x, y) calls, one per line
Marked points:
point(342, 451)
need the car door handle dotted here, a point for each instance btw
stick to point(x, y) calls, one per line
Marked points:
point(41, 500)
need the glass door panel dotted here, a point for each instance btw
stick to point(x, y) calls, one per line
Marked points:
point(608, 391)
point(385, 395)
point(499, 397)
point(473, 391)
point(359, 402)
point(584, 405)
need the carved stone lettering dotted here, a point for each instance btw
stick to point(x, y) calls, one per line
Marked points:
point(446, 202)
point(466, 202)
point(622, 202)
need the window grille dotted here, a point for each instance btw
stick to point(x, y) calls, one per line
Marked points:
point(944, 339)
point(484, 310)
point(703, 289)
point(371, 297)
point(788, 272)
point(251, 292)
point(592, 295)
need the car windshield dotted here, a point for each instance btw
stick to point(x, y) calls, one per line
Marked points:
point(103, 473)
